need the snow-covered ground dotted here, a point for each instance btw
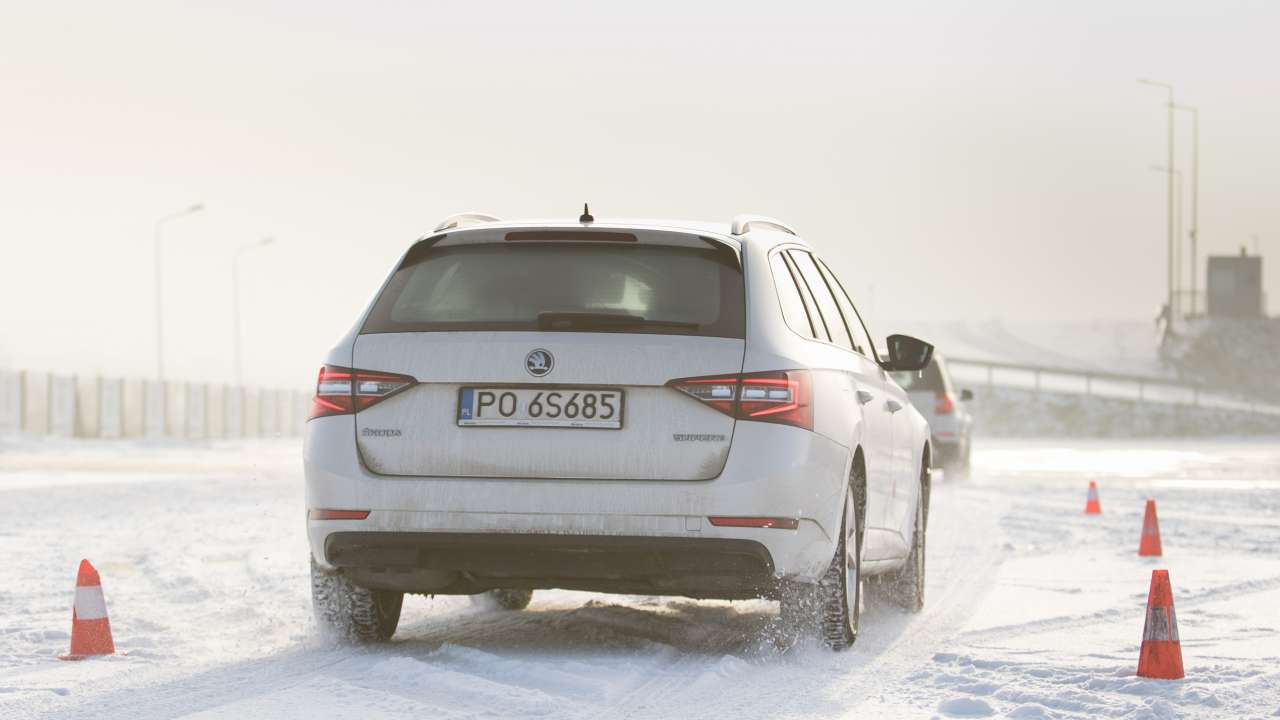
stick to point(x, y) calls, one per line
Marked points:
point(1033, 611)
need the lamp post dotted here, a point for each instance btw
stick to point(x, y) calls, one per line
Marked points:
point(1176, 175)
point(1195, 196)
point(160, 282)
point(235, 303)
point(1170, 165)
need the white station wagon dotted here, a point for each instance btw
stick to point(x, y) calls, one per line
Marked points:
point(649, 407)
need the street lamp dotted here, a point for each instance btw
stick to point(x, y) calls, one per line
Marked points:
point(235, 302)
point(1169, 200)
point(159, 283)
point(1195, 195)
point(1176, 175)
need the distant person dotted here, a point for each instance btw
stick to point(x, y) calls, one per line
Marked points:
point(1164, 324)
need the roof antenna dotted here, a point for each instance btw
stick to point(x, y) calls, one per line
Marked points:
point(586, 215)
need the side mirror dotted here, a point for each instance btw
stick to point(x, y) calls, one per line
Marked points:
point(907, 354)
point(966, 395)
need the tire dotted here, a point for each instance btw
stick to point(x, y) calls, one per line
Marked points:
point(832, 607)
point(905, 587)
point(503, 599)
point(957, 466)
point(352, 613)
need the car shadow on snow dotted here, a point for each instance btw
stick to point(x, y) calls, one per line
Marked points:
point(596, 624)
point(588, 624)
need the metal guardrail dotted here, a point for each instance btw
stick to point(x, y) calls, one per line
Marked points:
point(1143, 388)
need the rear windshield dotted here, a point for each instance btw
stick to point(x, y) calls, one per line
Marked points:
point(565, 287)
point(928, 379)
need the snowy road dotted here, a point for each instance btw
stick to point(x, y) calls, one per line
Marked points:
point(1033, 610)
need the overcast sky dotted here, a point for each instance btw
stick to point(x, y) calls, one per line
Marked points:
point(975, 161)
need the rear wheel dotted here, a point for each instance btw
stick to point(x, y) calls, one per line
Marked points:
point(350, 612)
point(832, 607)
point(840, 590)
point(906, 586)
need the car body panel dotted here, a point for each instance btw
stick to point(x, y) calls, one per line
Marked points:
point(665, 434)
point(789, 481)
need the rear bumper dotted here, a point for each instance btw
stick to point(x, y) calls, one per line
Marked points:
point(772, 471)
point(474, 562)
point(946, 450)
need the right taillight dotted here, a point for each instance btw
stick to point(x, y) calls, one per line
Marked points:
point(783, 396)
point(342, 391)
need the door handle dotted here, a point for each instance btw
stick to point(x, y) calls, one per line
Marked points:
point(864, 397)
point(892, 406)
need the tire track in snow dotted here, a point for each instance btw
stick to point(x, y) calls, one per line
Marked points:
point(187, 694)
point(1192, 599)
point(667, 645)
point(893, 646)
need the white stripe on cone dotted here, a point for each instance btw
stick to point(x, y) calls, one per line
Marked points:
point(90, 604)
point(1162, 624)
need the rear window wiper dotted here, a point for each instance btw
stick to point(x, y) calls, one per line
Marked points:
point(589, 320)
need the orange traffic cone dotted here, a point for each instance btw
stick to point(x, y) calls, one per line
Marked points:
point(1150, 544)
point(1093, 506)
point(90, 629)
point(1161, 654)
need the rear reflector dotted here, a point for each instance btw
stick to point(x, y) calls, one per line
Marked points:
point(784, 396)
point(780, 523)
point(342, 391)
point(327, 514)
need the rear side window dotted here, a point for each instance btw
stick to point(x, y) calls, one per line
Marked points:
point(566, 287)
point(861, 342)
point(793, 310)
point(826, 303)
point(810, 305)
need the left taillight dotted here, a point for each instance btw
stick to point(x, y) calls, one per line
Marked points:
point(342, 391)
point(783, 396)
point(945, 404)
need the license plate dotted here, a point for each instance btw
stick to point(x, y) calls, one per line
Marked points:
point(540, 407)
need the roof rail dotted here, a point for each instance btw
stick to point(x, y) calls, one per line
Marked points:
point(743, 223)
point(457, 220)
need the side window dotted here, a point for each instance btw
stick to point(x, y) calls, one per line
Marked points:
point(823, 294)
point(861, 339)
point(810, 305)
point(793, 310)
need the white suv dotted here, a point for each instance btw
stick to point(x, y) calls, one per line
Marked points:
point(659, 408)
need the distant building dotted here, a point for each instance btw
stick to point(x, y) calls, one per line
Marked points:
point(1234, 287)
